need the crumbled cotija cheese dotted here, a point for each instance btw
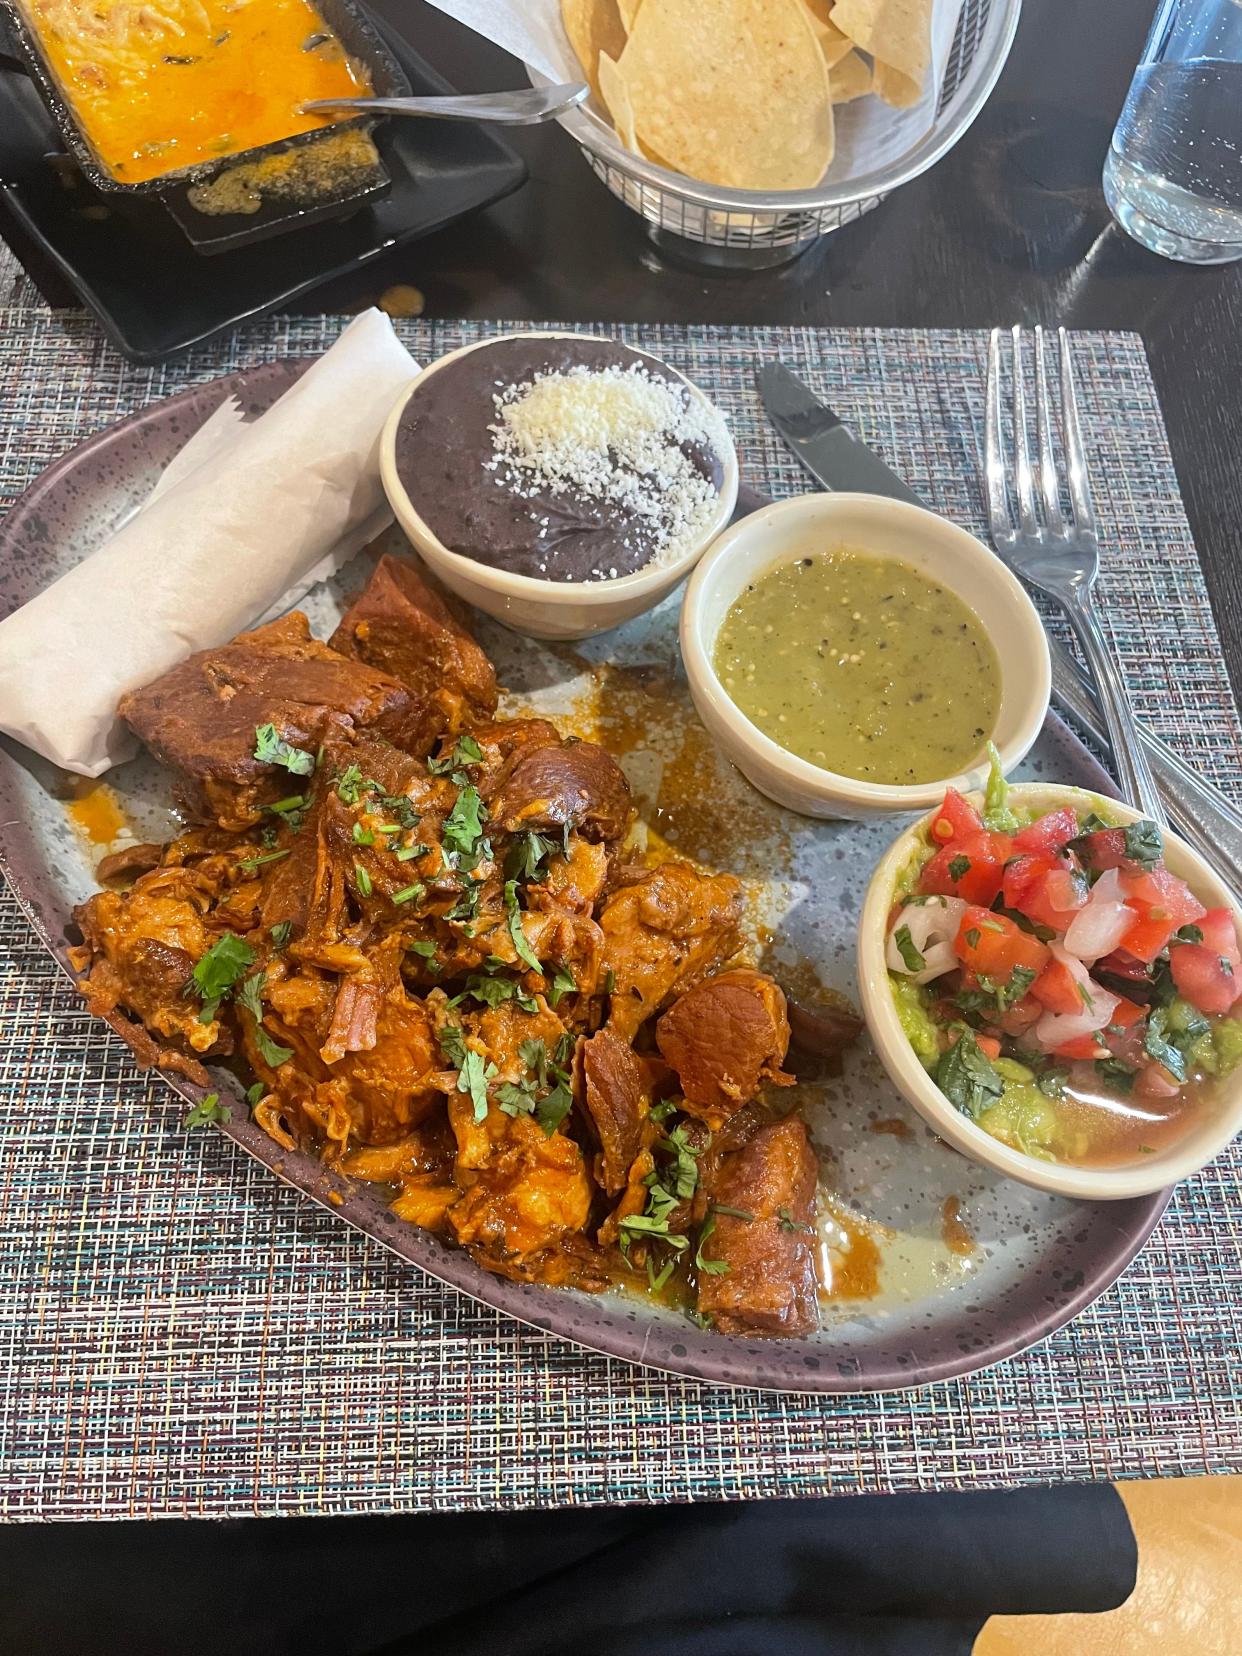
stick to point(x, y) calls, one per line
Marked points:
point(615, 434)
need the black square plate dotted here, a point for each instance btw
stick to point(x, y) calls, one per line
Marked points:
point(155, 296)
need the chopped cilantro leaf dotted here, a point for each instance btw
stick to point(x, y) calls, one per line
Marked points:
point(516, 1098)
point(207, 1110)
point(250, 995)
point(467, 905)
point(427, 950)
point(402, 807)
point(1115, 1074)
point(959, 867)
point(219, 969)
point(610, 982)
point(564, 1048)
point(562, 984)
point(529, 856)
point(270, 748)
point(710, 1267)
point(472, 1078)
point(516, 930)
point(1144, 844)
point(657, 1279)
point(363, 879)
point(972, 936)
point(280, 933)
point(788, 1222)
point(1158, 1044)
point(490, 990)
point(363, 836)
point(252, 863)
point(966, 1077)
point(409, 894)
point(989, 997)
point(463, 827)
point(908, 950)
point(453, 1045)
point(534, 1054)
point(553, 1108)
point(1188, 934)
point(271, 1052)
point(255, 1093)
point(284, 807)
point(407, 853)
point(1051, 1082)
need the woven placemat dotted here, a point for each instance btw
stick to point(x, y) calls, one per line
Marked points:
point(180, 1335)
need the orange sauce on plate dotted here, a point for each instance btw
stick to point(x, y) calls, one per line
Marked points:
point(157, 85)
point(95, 813)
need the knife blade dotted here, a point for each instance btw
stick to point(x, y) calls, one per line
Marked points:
point(840, 462)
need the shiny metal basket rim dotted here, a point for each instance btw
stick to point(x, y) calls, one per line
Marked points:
point(974, 86)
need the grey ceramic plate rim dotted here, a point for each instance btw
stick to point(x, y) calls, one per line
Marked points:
point(587, 1321)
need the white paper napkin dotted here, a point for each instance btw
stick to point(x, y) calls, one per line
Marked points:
point(244, 521)
point(868, 133)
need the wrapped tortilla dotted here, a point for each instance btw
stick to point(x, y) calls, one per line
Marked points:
point(249, 516)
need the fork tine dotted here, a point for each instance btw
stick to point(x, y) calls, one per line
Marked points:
point(1028, 523)
point(1079, 486)
point(1049, 483)
point(994, 467)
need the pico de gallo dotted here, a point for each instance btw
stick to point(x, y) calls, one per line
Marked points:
point(1067, 992)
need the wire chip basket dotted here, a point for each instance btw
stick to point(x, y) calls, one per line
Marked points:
point(738, 229)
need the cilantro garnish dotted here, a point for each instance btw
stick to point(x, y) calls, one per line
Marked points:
point(553, 1108)
point(219, 969)
point(788, 1222)
point(1188, 934)
point(972, 936)
point(407, 853)
point(1144, 844)
point(363, 836)
point(529, 856)
point(516, 1098)
point(562, 984)
point(280, 934)
point(990, 997)
point(207, 1110)
point(908, 950)
point(1115, 1074)
point(466, 752)
point(250, 864)
point(959, 867)
point(966, 1077)
point(270, 748)
point(516, 929)
point(255, 1093)
point(492, 991)
point(534, 1054)
point(409, 894)
point(250, 995)
point(710, 1267)
point(467, 905)
point(400, 806)
point(472, 1078)
point(463, 827)
point(1158, 1044)
point(363, 880)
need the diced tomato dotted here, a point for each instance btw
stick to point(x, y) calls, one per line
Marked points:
point(1154, 1081)
point(1045, 889)
point(1083, 1047)
point(1056, 989)
point(955, 819)
point(1121, 964)
point(1049, 834)
point(1106, 848)
point(1207, 974)
point(1220, 934)
point(992, 946)
point(989, 1045)
point(1021, 1015)
point(970, 867)
point(1162, 905)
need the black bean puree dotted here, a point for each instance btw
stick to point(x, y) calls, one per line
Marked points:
point(444, 442)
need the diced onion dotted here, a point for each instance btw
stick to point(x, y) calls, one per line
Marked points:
point(1097, 929)
point(1055, 1028)
point(934, 925)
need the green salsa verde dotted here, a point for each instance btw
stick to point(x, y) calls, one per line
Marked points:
point(862, 665)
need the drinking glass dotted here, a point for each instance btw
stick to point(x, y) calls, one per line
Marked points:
point(1173, 178)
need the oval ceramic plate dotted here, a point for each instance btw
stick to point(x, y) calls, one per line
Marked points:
point(938, 1267)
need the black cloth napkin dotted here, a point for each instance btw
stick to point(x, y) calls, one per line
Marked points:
point(902, 1575)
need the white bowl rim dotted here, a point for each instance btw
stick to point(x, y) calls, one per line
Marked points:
point(651, 578)
point(1135, 1179)
point(817, 779)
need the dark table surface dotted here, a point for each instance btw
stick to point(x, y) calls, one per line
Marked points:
point(1010, 227)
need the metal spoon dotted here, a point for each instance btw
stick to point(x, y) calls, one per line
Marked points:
point(526, 108)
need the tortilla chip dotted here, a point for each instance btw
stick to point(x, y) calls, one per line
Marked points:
point(629, 11)
point(616, 97)
point(731, 92)
point(850, 79)
point(593, 26)
point(897, 33)
point(832, 43)
point(896, 88)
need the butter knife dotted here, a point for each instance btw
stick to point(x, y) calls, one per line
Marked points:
point(838, 461)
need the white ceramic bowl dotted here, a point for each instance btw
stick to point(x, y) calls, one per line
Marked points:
point(1204, 1140)
point(546, 609)
point(891, 528)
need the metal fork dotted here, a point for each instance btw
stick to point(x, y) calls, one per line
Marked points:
point(1054, 551)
